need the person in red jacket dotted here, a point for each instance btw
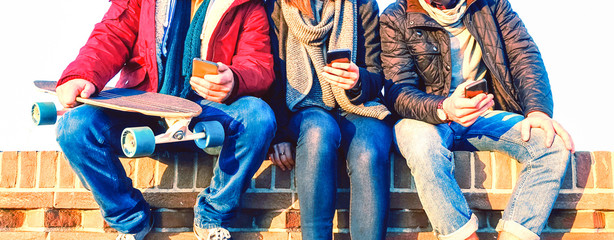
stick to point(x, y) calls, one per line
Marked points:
point(153, 43)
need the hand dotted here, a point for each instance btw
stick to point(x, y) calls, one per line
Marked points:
point(215, 88)
point(343, 75)
point(551, 127)
point(69, 91)
point(282, 156)
point(466, 111)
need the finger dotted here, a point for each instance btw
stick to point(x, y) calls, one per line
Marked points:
point(341, 65)
point(214, 86)
point(278, 157)
point(221, 67)
point(290, 154)
point(88, 90)
point(344, 83)
point(469, 119)
point(525, 130)
point(561, 132)
point(286, 156)
point(274, 160)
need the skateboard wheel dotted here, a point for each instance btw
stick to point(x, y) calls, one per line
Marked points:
point(214, 134)
point(138, 142)
point(44, 113)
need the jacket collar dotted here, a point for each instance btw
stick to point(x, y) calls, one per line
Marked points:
point(414, 6)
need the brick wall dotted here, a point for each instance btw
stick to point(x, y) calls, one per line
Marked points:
point(41, 198)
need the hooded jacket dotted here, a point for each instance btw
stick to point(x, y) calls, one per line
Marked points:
point(417, 62)
point(125, 40)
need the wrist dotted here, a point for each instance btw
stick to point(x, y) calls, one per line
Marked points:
point(441, 112)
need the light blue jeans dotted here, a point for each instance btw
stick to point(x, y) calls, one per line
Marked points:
point(428, 151)
point(90, 139)
point(366, 144)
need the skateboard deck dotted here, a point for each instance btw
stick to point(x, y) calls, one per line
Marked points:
point(130, 100)
point(140, 141)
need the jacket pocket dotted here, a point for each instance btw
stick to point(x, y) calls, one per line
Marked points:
point(118, 7)
point(133, 74)
point(427, 56)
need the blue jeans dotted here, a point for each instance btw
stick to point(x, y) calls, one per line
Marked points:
point(428, 151)
point(90, 139)
point(366, 144)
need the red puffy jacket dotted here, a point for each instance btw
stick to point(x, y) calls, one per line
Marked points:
point(125, 40)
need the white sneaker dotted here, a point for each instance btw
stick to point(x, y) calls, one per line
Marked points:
point(136, 236)
point(211, 233)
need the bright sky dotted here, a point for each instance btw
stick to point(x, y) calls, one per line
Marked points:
point(40, 37)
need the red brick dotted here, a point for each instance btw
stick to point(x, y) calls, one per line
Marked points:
point(245, 218)
point(412, 236)
point(92, 219)
point(260, 236)
point(577, 236)
point(10, 164)
point(408, 219)
point(585, 201)
point(49, 161)
point(262, 177)
point(173, 218)
point(26, 200)
point(65, 235)
point(185, 169)
point(603, 168)
point(24, 235)
point(568, 178)
point(341, 219)
point(146, 173)
point(574, 219)
point(74, 200)
point(462, 169)
point(129, 165)
point(28, 170)
point(166, 170)
point(283, 179)
point(62, 218)
point(266, 200)
point(171, 200)
point(503, 169)
point(483, 170)
point(402, 174)
point(494, 201)
point(204, 173)
point(293, 219)
point(270, 219)
point(405, 201)
point(584, 175)
point(66, 174)
point(11, 218)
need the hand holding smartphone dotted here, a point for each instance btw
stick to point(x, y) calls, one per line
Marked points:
point(475, 88)
point(201, 67)
point(338, 55)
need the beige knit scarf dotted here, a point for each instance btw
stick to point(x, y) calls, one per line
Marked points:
point(468, 47)
point(306, 47)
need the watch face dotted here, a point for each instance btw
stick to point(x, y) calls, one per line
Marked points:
point(442, 115)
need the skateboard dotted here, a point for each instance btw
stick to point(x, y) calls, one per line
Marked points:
point(140, 141)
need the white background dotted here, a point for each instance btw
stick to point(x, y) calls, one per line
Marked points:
point(38, 38)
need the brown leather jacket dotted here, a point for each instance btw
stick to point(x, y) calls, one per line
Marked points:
point(416, 59)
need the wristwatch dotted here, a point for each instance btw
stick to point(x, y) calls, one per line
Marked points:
point(441, 113)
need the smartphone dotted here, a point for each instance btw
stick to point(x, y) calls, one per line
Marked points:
point(475, 88)
point(201, 67)
point(338, 55)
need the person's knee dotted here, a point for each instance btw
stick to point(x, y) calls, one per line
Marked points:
point(74, 125)
point(259, 117)
point(417, 142)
